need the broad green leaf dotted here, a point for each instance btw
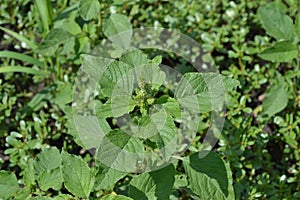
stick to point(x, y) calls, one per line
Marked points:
point(8, 184)
point(48, 170)
point(53, 40)
point(208, 176)
point(172, 107)
point(51, 179)
point(95, 66)
point(114, 74)
point(68, 46)
point(120, 151)
point(277, 24)
point(89, 9)
point(297, 26)
point(284, 51)
point(135, 58)
point(203, 92)
point(104, 110)
point(115, 197)
point(68, 25)
point(275, 101)
point(47, 160)
point(107, 178)
point(24, 193)
point(118, 29)
point(150, 73)
point(154, 185)
point(78, 177)
point(164, 131)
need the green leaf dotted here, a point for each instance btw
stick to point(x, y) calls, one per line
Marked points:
point(154, 185)
point(8, 184)
point(275, 101)
point(114, 151)
point(203, 92)
point(52, 41)
point(118, 29)
point(24, 193)
point(51, 179)
point(28, 175)
point(40, 198)
point(46, 12)
point(22, 57)
point(172, 107)
point(135, 58)
point(47, 160)
point(297, 26)
point(284, 51)
point(107, 178)
point(48, 170)
point(89, 9)
point(68, 25)
point(114, 74)
point(63, 197)
point(277, 24)
point(19, 37)
point(115, 197)
point(78, 177)
point(26, 70)
point(208, 177)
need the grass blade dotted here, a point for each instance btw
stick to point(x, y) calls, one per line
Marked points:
point(26, 70)
point(22, 57)
point(20, 38)
point(46, 13)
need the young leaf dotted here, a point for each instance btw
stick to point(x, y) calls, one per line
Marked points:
point(118, 29)
point(8, 184)
point(277, 24)
point(275, 101)
point(79, 179)
point(154, 185)
point(284, 51)
point(208, 176)
point(89, 9)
